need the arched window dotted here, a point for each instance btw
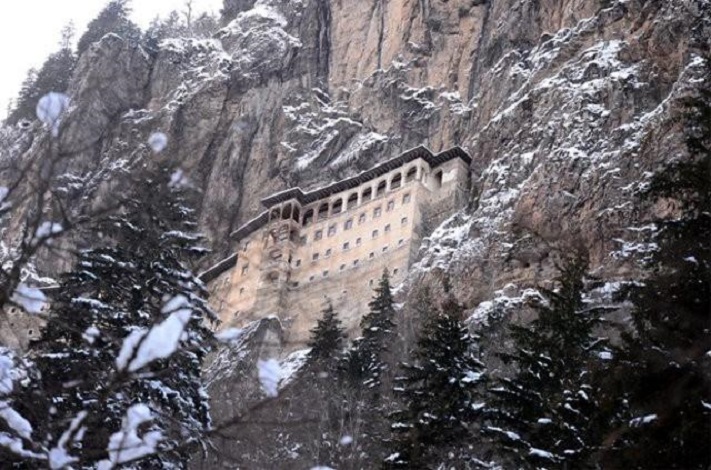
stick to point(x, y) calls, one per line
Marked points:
point(438, 179)
point(308, 217)
point(323, 211)
point(275, 215)
point(286, 212)
point(411, 174)
point(337, 207)
point(367, 195)
point(352, 201)
point(381, 189)
point(297, 214)
point(396, 181)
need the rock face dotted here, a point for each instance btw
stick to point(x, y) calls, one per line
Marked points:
point(566, 106)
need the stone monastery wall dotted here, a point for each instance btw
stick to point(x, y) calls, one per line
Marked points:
point(332, 244)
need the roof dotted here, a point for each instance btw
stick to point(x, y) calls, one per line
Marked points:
point(378, 170)
point(343, 185)
point(213, 273)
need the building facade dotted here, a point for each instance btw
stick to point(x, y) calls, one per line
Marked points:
point(333, 243)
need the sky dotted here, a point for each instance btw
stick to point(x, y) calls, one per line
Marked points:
point(30, 31)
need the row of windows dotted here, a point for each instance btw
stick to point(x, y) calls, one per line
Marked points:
point(371, 282)
point(346, 246)
point(348, 224)
point(343, 266)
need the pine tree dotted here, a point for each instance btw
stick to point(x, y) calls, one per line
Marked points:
point(439, 394)
point(544, 415)
point(364, 362)
point(661, 374)
point(121, 286)
point(114, 18)
point(327, 337)
point(54, 75)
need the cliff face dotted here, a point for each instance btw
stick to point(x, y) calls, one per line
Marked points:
point(565, 105)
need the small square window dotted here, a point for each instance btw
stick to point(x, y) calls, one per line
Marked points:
point(385, 248)
point(358, 241)
point(298, 263)
point(245, 269)
point(370, 283)
point(376, 212)
point(346, 246)
point(311, 278)
point(343, 266)
point(348, 225)
point(403, 221)
point(375, 234)
point(387, 228)
point(355, 262)
point(371, 255)
point(325, 273)
point(400, 242)
point(315, 257)
point(328, 253)
point(303, 240)
point(241, 291)
point(331, 230)
point(395, 272)
point(361, 218)
point(391, 205)
point(406, 198)
point(318, 235)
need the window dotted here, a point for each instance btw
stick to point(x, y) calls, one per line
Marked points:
point(367, 195)
point(346, 246)
point(245, 269)
point(314, 257)
point(328, 253)
point(376, 212)
point(371, 255)
point(348, 225)
point(396, 182)
point(241, 291)
point(385, 248)
point(323, 211)
point(361, 218)
point(403, 221)
point(332, 230)
point(400, 242)
point(358, 241)
point(311, 278)
point(355, 262)
point(298, 263)
point(395, 272)
point(246, 245)
point(406, 198)
point(318, 235)
point(438, 179)
point(380, 190)
point(411, 174)
point(303, 240)
point(370, 283)
point(387, 228)
point(308, 217)
point(337, 207)
point(391, 205)
point(325, 273)
point(343, 266)
point(352, 201)
point(375, 234)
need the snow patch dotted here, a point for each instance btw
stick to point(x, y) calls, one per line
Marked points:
point(31, 299)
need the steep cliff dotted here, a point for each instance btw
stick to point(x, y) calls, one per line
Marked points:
point(566, 106)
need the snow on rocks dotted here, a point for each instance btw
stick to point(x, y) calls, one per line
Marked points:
point(505, 301)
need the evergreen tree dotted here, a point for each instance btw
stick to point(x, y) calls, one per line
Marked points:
point(661, 378)
point(438, 391)
point(364, 362)
point(544, 415)
point(117, 289)
point(54, 75)
point(327, 337)
point(114, 18)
